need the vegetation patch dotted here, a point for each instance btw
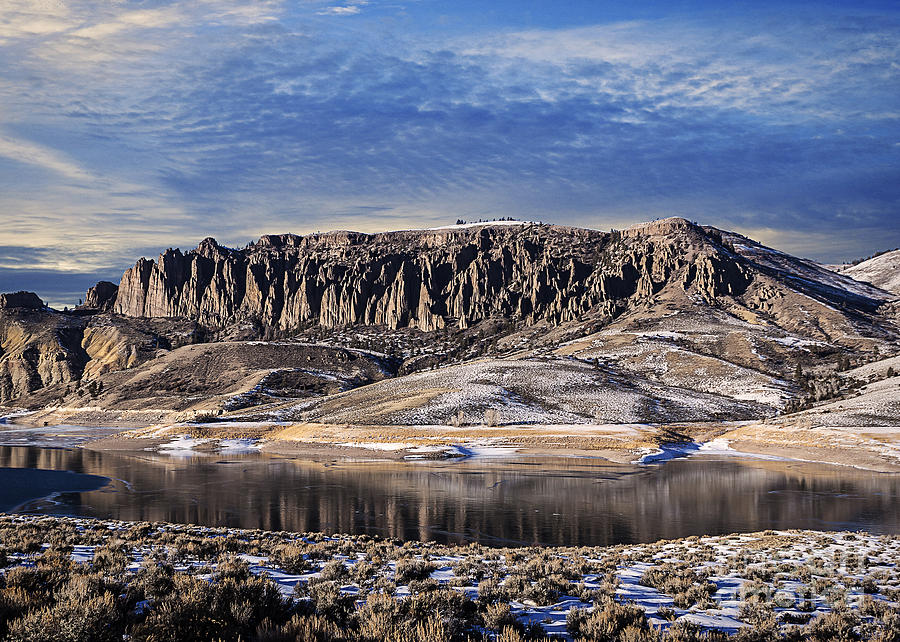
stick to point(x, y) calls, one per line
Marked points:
point(80, 579)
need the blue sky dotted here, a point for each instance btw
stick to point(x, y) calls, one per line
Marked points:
point(130, 126)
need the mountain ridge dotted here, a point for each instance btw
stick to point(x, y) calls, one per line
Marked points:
point(428, 279)
point(683, 320)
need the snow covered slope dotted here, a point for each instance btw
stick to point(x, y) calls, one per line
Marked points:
point(882, 271)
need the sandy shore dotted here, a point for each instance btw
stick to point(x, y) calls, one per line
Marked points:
point(323, 451)
point(865, 448)
point(825, 455)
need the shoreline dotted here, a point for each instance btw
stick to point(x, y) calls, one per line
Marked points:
point(376, 451)
point(621, 444)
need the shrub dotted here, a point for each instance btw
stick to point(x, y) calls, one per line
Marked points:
point(839, 625)
point(109, 560)
point(869, 586)
point(290, 559)
point(233, 568)
point(409, 569)
point(795, 618)
point(55, 560)
point(498, 616)
point(757, 614)
point(329, 602)
point(36, 582)
point(689, 632)
point(81, 613)
point(470, 570)
point(153, 580)
point(334, 570)
point(546, 590)
point(228, 608)
point(308, 628)
point(489, 592)
point(423, 586)
point(666, 613)
point(606, 621)
point(362, 572)
point(456, 612)
point(679, 581)
point(26, 544)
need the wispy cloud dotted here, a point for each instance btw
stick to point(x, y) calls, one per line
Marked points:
point(184, 118)
point(21, 151)
point(344, 10)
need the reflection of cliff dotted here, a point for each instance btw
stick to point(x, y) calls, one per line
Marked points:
point(547, 501)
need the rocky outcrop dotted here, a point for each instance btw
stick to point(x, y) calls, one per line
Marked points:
point(492, 281)
point(101, 297)
point(429, 279)
point(41, 348)
point(26, 300)
point(37, 346)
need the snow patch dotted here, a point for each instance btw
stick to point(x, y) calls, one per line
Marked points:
point(464, 226)
point(181, 446)
point(239, 446)
point(718, 447)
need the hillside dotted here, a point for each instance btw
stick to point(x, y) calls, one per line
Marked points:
point(537, 324)
point(882, 271)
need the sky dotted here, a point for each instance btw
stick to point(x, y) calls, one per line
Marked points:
point(130, 126)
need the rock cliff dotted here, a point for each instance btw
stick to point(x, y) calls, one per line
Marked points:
point(37, 346)
point(430, 279)
point(714, 301)
point(40, 347)
point(101, 297)
point(25, 300)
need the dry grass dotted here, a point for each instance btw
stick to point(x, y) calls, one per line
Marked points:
point(549, 437)
point(191, 585)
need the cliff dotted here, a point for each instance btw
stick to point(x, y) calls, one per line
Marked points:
point(101, 297)
point(37, 346)
point(668, 301)
point(429, 279)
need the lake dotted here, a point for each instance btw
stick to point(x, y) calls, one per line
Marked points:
point(507, 501)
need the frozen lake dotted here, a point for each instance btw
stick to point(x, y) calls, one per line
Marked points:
point(528, 500)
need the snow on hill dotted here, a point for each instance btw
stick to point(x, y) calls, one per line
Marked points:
point(526, 391)
point(882, 271)
point(463, 226)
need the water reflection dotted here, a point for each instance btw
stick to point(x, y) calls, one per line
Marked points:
point(529, 501)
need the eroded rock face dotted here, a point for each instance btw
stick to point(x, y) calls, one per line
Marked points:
point(101, 297)
point(27, 300)
point(428, 279)
point(37, 347)
point(40, 347)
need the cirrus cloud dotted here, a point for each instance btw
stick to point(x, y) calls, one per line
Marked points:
point(178, 120)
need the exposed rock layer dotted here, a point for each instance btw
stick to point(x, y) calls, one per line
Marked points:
point(430, 279)
point(554, 283)
point(101, 297)
point(27, 300)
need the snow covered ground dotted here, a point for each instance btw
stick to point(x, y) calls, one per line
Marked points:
point(772, 580)
point(521, 391)
point(882, 271)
